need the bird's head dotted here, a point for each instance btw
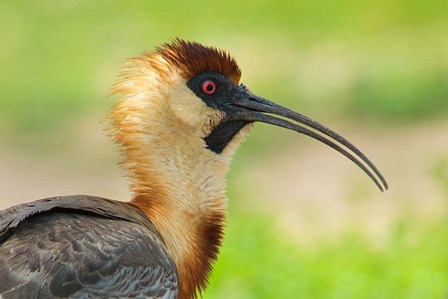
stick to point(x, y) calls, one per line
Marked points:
point(194, 91)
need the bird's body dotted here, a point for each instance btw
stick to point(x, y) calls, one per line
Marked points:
point(64, 246)
point(178, 124)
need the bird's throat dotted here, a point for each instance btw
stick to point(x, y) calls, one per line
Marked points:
point(223, 134)
point(183, 193)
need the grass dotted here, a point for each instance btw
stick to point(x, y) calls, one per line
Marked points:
point(259, 262)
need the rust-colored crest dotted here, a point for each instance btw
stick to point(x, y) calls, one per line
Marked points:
point(193, 58)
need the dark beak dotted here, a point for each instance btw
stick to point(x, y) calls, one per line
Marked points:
point(250, 107)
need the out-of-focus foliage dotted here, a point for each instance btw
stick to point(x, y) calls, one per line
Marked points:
point(384, 59)
point(256, 262)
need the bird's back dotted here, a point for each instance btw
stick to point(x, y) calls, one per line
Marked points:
point(82, 247)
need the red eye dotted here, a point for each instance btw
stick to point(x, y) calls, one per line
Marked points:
point(208, 87)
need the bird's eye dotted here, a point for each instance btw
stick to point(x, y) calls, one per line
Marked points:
point(208, 87)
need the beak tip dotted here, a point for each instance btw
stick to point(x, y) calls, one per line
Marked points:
point(384, 187)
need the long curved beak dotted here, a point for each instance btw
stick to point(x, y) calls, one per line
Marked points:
point(250, 107)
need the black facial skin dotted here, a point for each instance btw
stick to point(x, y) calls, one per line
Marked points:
point(225, 94)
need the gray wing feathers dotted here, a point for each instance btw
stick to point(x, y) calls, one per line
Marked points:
point(70, 253)
point(12, 217)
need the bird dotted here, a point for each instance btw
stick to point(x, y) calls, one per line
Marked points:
point(181, 115)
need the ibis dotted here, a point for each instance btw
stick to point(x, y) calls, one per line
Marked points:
point(181, 115)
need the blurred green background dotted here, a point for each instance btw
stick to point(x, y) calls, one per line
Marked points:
point(304, 222)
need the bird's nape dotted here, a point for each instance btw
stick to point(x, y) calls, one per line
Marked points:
point(251, 107)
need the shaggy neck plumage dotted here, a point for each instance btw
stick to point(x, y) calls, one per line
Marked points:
point(189, 214)
point(177, 182)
